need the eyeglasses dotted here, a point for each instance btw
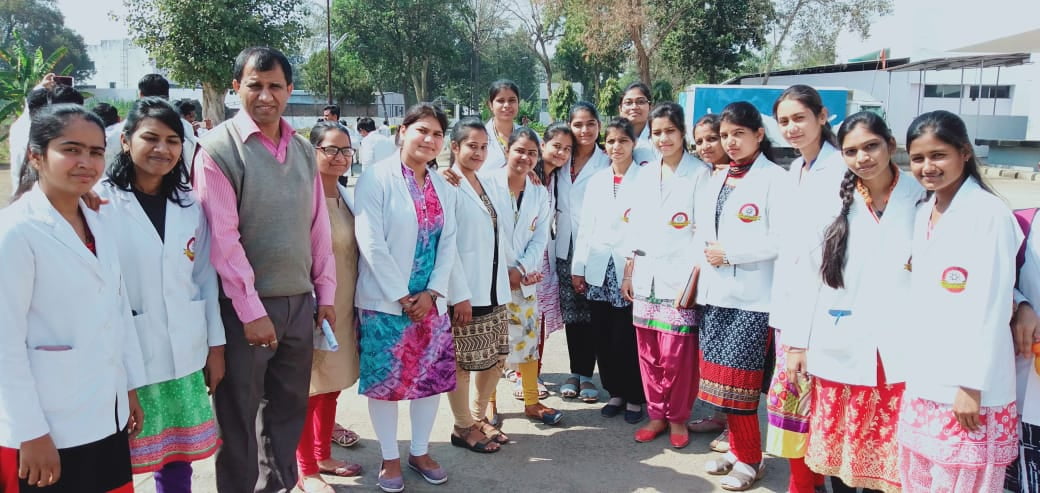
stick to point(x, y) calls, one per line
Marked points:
point(635, 102)
point(331, 151)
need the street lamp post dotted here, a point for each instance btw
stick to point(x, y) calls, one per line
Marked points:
point(328, 46)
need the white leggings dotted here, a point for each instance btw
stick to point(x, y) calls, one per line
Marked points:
point(384, 419)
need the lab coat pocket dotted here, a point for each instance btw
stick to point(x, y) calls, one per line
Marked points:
point(61, 379)
point(145, 334)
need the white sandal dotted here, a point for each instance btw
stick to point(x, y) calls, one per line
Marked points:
point(742, 477)
point(720, 466)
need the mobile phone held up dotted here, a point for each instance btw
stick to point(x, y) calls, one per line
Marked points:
point(64, 80)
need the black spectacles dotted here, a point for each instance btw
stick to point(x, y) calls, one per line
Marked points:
point(331, 151)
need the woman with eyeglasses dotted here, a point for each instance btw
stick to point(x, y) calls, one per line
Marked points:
point(332, 370)
point(635, 106)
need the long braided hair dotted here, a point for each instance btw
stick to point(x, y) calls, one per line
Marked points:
point(836, 236)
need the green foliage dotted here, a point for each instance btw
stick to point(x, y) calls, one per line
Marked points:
point(561, 101)
point(23, 70)
point(528, 108)
point(403, 43)
point(41, 25)
point(197, 41)
point(351, 82)
point(712, 38)
point(662, 91)
point(504, 56)
point(576, 63)
point(609, 98)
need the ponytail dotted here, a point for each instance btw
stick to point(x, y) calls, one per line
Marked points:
point(836, 237)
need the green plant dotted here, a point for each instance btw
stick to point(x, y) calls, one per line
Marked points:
point(561, 101)
point(609, 98)
point(22, 71)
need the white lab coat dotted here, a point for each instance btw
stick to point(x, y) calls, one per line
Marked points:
point(471, 275)
point(661, 226)
point(1029, 291)
point(645, 151)
point(171, 284)
point(528, 228)
point(387, 228)
point(496, 154)
point(847, 328)
point(813, 203)
point(962, 283)
point(747, 233)
point(374, 148)
point(605, 221)
point(18, 140)
point(569, 199)
point(55, 292)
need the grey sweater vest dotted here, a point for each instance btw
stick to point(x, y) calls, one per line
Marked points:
point(275, 207)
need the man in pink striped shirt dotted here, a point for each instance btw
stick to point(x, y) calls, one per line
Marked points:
point(271, 244)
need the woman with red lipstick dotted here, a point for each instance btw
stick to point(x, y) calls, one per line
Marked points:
point(814, 177)
point(660, 256)
point(735, 217)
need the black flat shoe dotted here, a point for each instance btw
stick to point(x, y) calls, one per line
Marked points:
point(633, 417)
point(611, 410)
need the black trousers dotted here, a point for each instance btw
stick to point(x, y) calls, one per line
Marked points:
point(616, 351)
point(580, 347)
point(261, 404)
point(96, 467)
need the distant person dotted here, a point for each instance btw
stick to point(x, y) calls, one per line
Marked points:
point(108, 113)
point(189, 112)
point(152, 85)
point(375, 147)
point(46, 93)
point(330, 113)
point(385, 129)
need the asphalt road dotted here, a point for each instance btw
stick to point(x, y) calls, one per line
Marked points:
point(588, 453)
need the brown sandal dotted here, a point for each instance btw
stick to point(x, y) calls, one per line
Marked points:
point(492, 432)
point(481, 446)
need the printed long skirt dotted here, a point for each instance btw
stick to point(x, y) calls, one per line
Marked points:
point(733, 346)
point(179, 425)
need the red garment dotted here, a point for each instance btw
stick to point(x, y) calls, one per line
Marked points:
point(8, 470)
point(668, 364)
point(315, 441)
point(221, 207)
point(745, 438)
point(852, 432)
point(803, 480)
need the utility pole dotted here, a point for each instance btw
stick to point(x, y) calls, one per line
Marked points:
point(328, 46)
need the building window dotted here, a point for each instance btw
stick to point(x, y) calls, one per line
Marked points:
point(942, 91)
point(991, 92)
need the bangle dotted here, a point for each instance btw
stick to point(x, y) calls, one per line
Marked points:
point(629, 278)
point(795, 350)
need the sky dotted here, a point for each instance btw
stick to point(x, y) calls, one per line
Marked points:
point(90, 19)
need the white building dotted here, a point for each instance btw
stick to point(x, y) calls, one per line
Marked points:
point(118, 64)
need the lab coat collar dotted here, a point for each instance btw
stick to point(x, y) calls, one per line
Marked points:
point(41, 209)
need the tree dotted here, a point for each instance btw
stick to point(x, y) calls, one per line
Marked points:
point(817, 22)
point(480, 23)
point(543, 23)
point(578, 64)
point(609, 98)
point(197, 41)
point(26, 69)
point(713, 38)
point(403, 42)
point(41, 25)
point(561, 101)
point(662, 91)
point(350, 81)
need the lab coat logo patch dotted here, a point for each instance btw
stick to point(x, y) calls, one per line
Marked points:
point(624, 217)
point(954, 279)
point(680, 220)
point(748, 213)
point(189, 249)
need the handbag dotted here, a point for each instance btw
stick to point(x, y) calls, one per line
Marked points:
point(688, 299)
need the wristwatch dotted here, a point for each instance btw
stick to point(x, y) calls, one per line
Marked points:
point(433, 294)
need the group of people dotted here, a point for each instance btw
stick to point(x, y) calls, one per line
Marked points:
point(879, 311)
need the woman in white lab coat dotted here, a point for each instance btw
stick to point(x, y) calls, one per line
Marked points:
point(1023, 475)
point(813, 179)
point(735, 217)
point(963, 275)
point(660, 256)
point(599, 262)
point(853, 352)
point(479, 288)
point(405, 227)
point(528, 218)
point(504, 103)
point(69, 354)
point(163, 242)
point(635, 106)
point(586, 160)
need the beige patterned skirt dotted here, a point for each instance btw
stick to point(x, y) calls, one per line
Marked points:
point(478, 343)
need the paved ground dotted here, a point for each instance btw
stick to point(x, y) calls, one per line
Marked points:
point(587, 454)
